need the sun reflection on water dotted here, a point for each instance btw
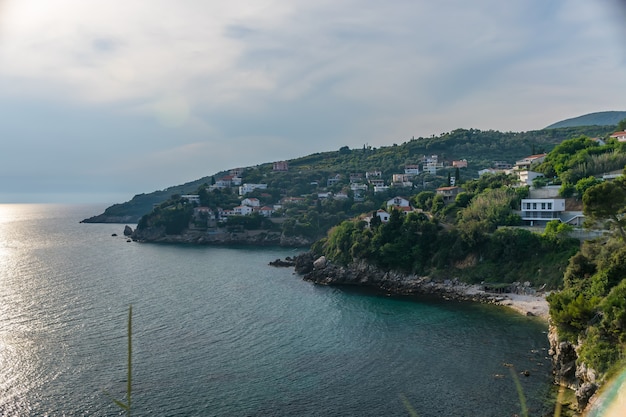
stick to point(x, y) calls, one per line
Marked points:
point(18, 348)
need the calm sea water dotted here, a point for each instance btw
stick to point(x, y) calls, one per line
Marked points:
point(218, 332)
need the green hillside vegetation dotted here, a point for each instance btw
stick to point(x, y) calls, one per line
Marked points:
point(465, 239)
point(591, 308)
point(479, 148)
point(312, 217)
point(604, 118)
point(574, 163)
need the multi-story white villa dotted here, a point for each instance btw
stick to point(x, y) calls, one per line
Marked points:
point(539, 211)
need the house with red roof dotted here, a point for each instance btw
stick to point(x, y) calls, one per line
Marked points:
point(620, 136)
point(525, 163)
point(449, 193)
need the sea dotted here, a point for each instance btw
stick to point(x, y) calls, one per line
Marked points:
point(216, 331)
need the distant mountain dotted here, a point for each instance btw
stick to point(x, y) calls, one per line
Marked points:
point(603, 118)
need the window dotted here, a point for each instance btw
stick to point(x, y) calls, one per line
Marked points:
point(549, 206)
point(543, 206)
point(534, 206)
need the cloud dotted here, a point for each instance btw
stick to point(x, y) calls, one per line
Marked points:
point(121, 88)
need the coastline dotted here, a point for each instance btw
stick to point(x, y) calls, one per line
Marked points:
point(529, 305)
point(361, 274)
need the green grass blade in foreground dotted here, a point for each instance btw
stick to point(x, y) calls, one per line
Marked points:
point(520, 392)
point(408, 406)
point(126, 406)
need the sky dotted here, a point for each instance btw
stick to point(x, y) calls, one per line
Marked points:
point(102, 100)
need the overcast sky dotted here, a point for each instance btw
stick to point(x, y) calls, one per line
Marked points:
point(101, 100)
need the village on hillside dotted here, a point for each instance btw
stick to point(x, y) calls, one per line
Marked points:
point(542, 204)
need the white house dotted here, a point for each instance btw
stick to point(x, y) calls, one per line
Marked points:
point(412, 169)
point(527, 177)
point(358, 187)
point(333, 180)
point(432, 164)
point(524, 164)
point(248, 188)
point(380, 188)
point(398, 202)
point(539, 211)
point(620, 136)
point(242, 210)
point(251, 202)
point(382, 215)
point(266, 211)
point(192, 198)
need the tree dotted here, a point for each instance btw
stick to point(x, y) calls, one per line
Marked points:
point(607, 201)
point(621, 126)
point(424, 200)
point(585, 183)
point(457, 177)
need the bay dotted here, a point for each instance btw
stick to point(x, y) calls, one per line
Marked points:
point(218, 332)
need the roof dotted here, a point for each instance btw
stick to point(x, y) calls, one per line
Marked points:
point(537, 156)
point(447, 188)
point(616, 134)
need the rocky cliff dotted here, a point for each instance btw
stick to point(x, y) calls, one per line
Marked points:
point(156, 234)
point(104, 218)
point(568, 373)
point(360, 273)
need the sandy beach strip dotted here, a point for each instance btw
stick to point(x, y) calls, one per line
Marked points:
point(530, 305)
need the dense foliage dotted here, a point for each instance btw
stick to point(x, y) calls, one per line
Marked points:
point(592, 306)
point(575, 163)
point(462, 240)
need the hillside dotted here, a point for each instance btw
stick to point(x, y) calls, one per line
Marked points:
point(479, 148)
point(603, 118)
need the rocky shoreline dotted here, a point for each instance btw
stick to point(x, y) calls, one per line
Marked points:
point(157, 234)
point(360, 273)
point(567, 373)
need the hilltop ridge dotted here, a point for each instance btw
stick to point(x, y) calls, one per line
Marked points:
point(479, 148)
point(603, 118)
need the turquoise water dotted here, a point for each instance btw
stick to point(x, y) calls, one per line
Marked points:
point(218, 332)
point(611, 402)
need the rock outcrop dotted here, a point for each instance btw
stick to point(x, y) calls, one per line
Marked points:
point(567, 373)
point(157, 234)
point(103, 218)
point(322, 271)
point(128, 231)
